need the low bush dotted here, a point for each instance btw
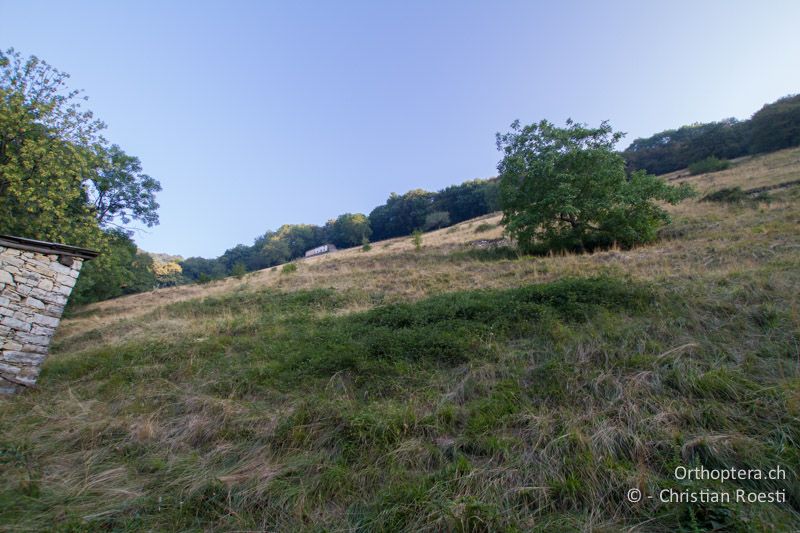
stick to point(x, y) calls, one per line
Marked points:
point(289, 268)
point(709, 164)
point(735, 195)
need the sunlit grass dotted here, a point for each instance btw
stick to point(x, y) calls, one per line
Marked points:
point(454, 389)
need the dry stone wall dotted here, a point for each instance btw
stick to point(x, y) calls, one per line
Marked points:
point(34, 288)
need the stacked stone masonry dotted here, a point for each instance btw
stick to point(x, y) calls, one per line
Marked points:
point(34, 288)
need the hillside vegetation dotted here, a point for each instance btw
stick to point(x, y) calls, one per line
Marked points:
point(458, 387)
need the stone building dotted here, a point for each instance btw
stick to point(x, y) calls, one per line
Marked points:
point(36, 279)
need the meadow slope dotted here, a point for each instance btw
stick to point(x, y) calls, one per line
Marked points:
point(460, 387)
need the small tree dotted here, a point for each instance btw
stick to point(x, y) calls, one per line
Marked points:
point(239, 270)
point(416, 239)
point(566, 188)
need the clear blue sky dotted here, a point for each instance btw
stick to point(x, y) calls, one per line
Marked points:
point(255, 114)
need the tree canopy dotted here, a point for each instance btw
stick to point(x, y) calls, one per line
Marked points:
point(773, 127)
point(566, 188)
point(348, 230)
point(60, 181)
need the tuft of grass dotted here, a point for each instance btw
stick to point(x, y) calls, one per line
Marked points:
point(497, 409)
point(383, 391)
point(289, 268)
point(709, 164)
point(484, 227)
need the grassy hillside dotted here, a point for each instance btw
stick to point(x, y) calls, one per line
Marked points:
point(459, 387)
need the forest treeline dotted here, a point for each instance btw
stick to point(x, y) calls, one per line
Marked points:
point(774, 127)
point(60, 180)
point(400, 215)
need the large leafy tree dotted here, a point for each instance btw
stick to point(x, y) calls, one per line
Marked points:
point(119, 192)
point(47, 151)
point(60, 181)
point(566, 188)
point(58, 178)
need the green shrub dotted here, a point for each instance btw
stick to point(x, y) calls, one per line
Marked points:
point(735, 195)
point(416, 239)
point(289, 268)
point(567, 189)
point(709, 164)
point(484, 227)
point(365, 245)
point(239, 270)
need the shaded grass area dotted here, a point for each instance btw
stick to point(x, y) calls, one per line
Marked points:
point(534, 408)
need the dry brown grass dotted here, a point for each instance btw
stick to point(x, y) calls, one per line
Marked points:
point(710, 241)
point(172, 418)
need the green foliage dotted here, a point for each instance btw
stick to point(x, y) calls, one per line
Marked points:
point(401, 214)
point(46, 144)
point(416, 240)
point(735, 195)
point(239, 270)
point(468, 200)
point(447, 329)
point(480, 228)
point(773, 127)
point(365, 245)
point(59, 181)
point(119, 191)
point(202, 270)
point(709, 164)
point(436, 220)
point(526, 409)
point(348, 230)
point(121, 269)
point(289, 268)
point(676, 149)
point(566, 189)
point(728, 195)
point(419, 209)
point(776, 125)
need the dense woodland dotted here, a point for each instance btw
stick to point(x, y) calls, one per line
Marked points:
point(400, 215)
point(774, 127)
point(60, 180)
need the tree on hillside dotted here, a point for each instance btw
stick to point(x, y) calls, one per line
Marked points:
point(59, 181)
point(348, 230)
point(47, 147)
point(119, 191)
point(566, 188)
